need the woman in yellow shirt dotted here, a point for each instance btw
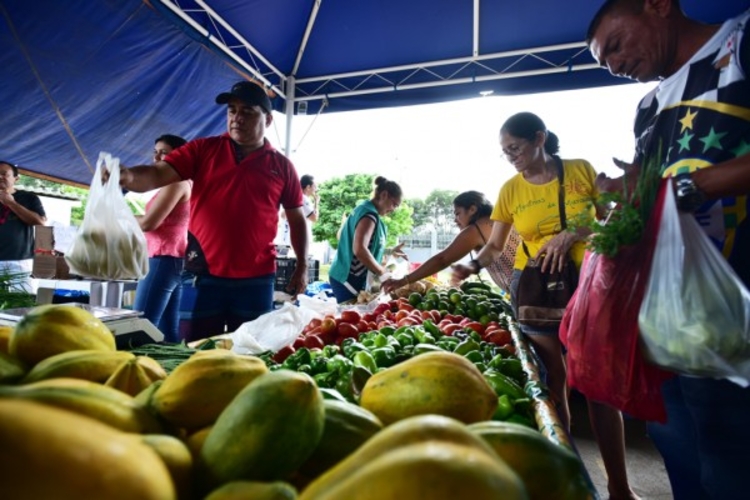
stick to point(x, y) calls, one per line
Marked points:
point(529, 202)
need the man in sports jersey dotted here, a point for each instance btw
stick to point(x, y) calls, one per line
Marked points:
point(699, 119)
point(239, 183)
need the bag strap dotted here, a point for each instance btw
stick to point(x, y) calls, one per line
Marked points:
point(560, 199)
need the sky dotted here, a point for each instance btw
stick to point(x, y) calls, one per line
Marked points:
point(455, 145)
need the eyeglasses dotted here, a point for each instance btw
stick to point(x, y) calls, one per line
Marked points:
point(514, 150)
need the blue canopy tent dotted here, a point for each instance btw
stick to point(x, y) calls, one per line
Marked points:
point(86, 76)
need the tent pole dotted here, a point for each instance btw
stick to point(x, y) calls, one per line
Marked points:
point(289, 111)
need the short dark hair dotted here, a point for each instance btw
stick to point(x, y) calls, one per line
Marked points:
point(174, 141)
point(469, 199)
point(390, 187)
point(628, 6)
point(306, 180)
point(13, 166)
point(526, 125)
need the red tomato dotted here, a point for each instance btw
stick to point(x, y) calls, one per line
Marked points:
point(328, 337)
point(425, 315)
point(283, 353)
point(328, 325)
point(368, 317)
point(449, 329)
point(387, 314)
point(408, 322)
point(465, 321)
point(499, 337)
point(299, 342)
point(348, 330)
point(400, 315)
point(315, 322)
point(381, 308)
point(492, 323)
point(476, 326)
point(372, 325)
point(362, 326)
point(313, 341)
point(435, 316)
point(405, 306)
point(350, 316)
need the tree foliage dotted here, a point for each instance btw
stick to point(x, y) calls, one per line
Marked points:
point(436, 210)
point(339, 196)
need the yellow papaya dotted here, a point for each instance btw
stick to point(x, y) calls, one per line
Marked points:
point(54, 328)
point(440, 383)
point(93, 400)
point(198, 390)
point(253, 490)
point(178, 459)
point(129, 378)
point(267, 431)
point(58, 454)
point(153, 369)
point(88, 364)
point(548, 470)
point(5, 333)
point(421, 428)
point(436, 470)
point(11, 369)
point(195, 441)
point(347, 427)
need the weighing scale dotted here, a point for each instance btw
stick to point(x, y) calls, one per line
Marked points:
point(129, 329)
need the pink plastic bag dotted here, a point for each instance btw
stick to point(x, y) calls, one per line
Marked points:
point(600, 331)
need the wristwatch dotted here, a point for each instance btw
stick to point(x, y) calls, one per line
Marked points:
point(688, 197)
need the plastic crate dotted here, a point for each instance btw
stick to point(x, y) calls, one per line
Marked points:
point(285, 269)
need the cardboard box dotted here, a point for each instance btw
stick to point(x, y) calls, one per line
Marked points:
point(44, 238)
point(47, 266)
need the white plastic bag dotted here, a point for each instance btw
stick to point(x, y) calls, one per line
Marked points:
point(109, 245)
point(272, 331)
point(321, 304)
point(695, 315)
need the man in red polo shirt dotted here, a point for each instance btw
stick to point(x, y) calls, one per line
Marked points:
point(239, 183)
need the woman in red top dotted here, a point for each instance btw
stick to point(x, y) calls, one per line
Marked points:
point(165, 224)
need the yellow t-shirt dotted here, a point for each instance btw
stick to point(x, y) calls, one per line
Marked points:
point(533, 209)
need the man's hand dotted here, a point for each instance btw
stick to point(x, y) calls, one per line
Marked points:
point(607, 184)
point(298, 281)
point(6, 198)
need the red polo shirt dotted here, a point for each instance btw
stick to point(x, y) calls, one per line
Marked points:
point(235, 206)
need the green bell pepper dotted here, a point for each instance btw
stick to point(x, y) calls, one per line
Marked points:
point(365, 360)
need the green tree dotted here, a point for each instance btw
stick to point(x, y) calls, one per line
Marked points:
point(339, 196)
point(436, 210)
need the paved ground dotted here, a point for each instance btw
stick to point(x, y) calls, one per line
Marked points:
point(646, 472)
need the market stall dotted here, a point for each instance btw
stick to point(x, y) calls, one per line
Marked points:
point(444, 372)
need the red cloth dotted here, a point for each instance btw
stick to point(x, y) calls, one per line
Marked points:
point(234, 206)
point(170, 238)
point(600, 330)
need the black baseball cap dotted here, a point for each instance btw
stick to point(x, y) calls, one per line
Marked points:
point(248, 92)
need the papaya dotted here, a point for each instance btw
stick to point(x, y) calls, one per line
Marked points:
point(198, 390)
point(548, 470)
point(178, 459)
point(439, 383)
point(143, 398)
point(55, 328)
point(436, 470)
point(53, 453)
point(153, 369)
point(5, 333)
point(347, 427)
point(93, 400)
point(195, 441)
point(129, 378)
point(405, 432)
point(254, 490)
point(11, 369)
point(267, 431)
point(87, 364)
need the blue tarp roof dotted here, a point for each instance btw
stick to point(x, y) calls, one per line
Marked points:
point(83, 76)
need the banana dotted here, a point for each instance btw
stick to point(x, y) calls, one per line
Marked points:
point(92, 365)
point(96, 401)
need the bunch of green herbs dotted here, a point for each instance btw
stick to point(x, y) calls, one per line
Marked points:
point(627, 212)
